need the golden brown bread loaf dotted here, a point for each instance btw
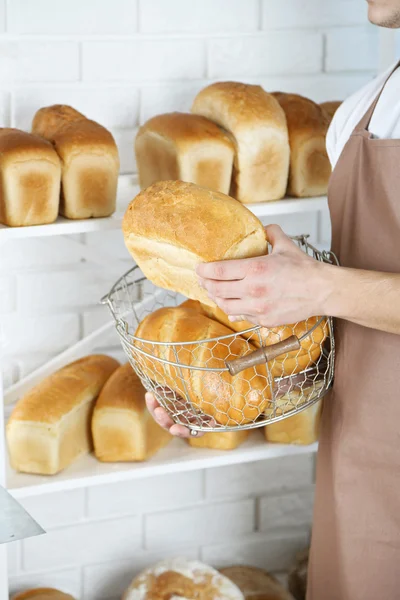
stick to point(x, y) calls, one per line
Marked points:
point(186, 147)
point(42, 594)
point(230, 400)
point(89, 157)
point(308, 124)
point(172, 226)
point(256, 583)
point(30, 172)
point(330, 108)
point(183, 579)
point(50, 426)
point(301, 428)
point(220, 440)
point(122, 428)
point(286, 364)
point(258, 125)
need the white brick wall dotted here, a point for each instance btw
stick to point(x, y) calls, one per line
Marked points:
point(121, 62)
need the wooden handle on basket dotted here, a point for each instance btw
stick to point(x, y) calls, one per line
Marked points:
point(262, 355)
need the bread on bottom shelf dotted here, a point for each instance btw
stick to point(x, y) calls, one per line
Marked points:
point(123, 429)
point(183, 579)
point(230, 400)
point(301, 428)
point(220, 440)
point(172, 226)
point(50, 426)
point(256, 583)
point(42, 594)
point(185, 147)
point(30, 175)
point(90, 162)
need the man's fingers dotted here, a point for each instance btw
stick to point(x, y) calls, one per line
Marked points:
point(225, 270)
point(182, 431)
point(151, 403)
point(221, 289)
point(239, 308)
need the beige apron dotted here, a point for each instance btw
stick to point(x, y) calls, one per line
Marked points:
point(355, 550)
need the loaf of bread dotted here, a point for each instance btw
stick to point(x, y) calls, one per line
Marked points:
point(30, 172)
point(256, 583)
point(297, 577)
point(301, 428)
point(286, 364)
point(257, 124)
point(185, 147)
point(220, 440)
point(122, 428)
point(50, 427)
point(230, 400)
point(330, 108)
point(308, 124)
point(183, 579)
point(172, 226)
point(42, 594)
point(89, 157)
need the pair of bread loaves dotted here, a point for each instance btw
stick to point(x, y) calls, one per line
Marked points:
point(68, 165)
point(92, 401)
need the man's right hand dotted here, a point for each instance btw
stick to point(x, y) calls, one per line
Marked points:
point(161, 416)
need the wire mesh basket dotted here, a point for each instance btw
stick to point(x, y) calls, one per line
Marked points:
point(229, 382)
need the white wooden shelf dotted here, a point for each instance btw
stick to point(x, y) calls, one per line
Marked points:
point(178, 456)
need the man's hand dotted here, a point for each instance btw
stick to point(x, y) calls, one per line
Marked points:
point(161, 416)
point(283, 287)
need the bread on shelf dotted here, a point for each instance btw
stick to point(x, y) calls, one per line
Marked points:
point(230, 400)
point(220, 440)
point(186, 147)
point(122, 428)
point(308, 124)
point(89, 157)
point(30, 173)
point(50, 426)
point(42, 594)
point(330, 108)
point(184, 579)
point(172, 226)
point(256, 583)
point(257, 124)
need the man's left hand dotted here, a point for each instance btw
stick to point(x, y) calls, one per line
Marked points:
point(282, 287)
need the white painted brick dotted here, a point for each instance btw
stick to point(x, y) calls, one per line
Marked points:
point(97, 318)
point(13, 557)
point(143, 60)
point(25, 333)
point(5, 109)
point(39, 61)
point(28, 253)
point(30, 362)
point(312, 13)
point(111, 107)
point(102, 582)
point(9, 370)
point(2, 15)
point(352, 49)
point(290, 472)
point(66, 581)
point(274, 553)
point(43, 292)
point(275, 53)
point(325, 231)
point(319, 88)
point(199, 525)
point(124, 138)
point(60, 508)
point(200, 16)
point(7, 294)
point(112, 243)
point(76, 17)
point(83, 544)
point(159, 99)
point(145, 495)
point(287, 511)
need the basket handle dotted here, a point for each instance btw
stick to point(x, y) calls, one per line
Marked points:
point(262, 355)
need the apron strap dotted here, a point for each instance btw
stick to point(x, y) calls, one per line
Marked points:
point(366, 119)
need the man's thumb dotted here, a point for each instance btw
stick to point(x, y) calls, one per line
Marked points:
point(277, 238)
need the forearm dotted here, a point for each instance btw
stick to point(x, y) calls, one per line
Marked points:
point(367, 298)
